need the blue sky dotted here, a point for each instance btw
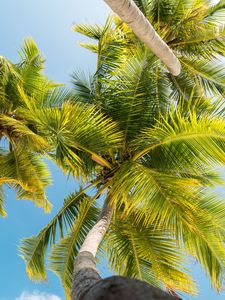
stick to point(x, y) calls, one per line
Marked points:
point(49, 23)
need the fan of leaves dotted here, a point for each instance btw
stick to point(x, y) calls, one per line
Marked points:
point(21, 146)
point(150, 142)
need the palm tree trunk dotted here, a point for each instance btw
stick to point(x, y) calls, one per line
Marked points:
point(128, 11)
point(85, 271)
point(87, 283)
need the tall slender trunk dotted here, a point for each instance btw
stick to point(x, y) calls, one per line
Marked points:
point(87, 283)
point(128, 11)
point(85, 271)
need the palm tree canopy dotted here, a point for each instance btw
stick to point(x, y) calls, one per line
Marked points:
point(149, 141)
point(194, 30)
point(130, 13)
point(21, 146)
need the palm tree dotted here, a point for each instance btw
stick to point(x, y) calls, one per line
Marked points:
point(146, 149)
point(129, 12)
point(194, 30)
point(155, 178)
point(22, 167)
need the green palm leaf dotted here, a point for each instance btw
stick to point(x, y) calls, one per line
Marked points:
point(33, 249)
point(19, 128)
point(148, 254)
point(83, 87)
point(2, 210)
point(30, 68)
point(21, 166)
point(220, 5)
point(136, 186)
point(204, 134)
point(74, 128)
point(209, 74)
point(140, 97)
point(28, 174)
point(206, 242)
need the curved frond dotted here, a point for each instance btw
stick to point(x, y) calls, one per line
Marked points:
point(31, 55)
point(137, 187)
point(30, 69)
point(19, 129)
point(33, 249)
point(149, 254)
point(206, 241)
point(90, 31)
point(28, 173)
point(77, 128)
point(134, 96)
point(220, 5)
point(2, 198)
point(209, 73)
point(9, 79)
point(203, 134)
point(83, 87)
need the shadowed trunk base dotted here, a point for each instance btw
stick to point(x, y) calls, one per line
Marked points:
point(88, 285)
point(122, 288)
point(85, 275)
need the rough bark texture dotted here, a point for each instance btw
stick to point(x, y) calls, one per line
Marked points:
point(128, 11)
point(121, 288)
point(87, 283)
point(85, 272)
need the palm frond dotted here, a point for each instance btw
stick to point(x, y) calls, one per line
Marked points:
point(30, 55)
point(19, 129)
point(10, 78)
point(54, 97)
point(206, 42)
point(137, 187)
point(83, 86)
point(206, 243)
point(33, 249)
point(77, 128)
point(149, 254)
point(134, 96)
point(213, 9)
point(2, 198)
point(90, 31)
point(208, 249)
point(26, 171)
point(209, 73)
point(161, 11)
point(30, 69)
point(203, 134)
